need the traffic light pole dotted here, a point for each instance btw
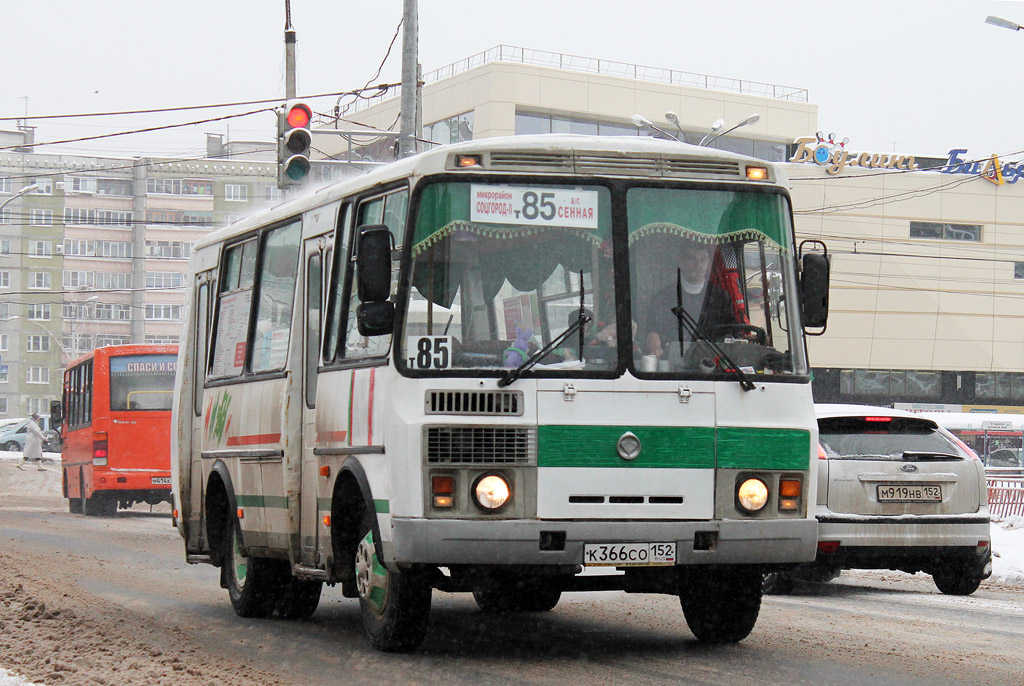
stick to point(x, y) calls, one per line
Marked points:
point(289, 52)
point(410, 64)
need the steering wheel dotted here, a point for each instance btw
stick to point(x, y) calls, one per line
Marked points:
point(738, 330)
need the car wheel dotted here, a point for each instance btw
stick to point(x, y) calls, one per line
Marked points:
point(721, 605)
point(12, 447)
point(954, 582)
point(395, 607)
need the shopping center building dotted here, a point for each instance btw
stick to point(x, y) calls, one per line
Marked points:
point(927, 256)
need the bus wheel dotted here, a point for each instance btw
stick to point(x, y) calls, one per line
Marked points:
point(519, 595)
point(721, 604)
point(253, 583)
point(299, 598)
point(99, 505)
point(395, 606)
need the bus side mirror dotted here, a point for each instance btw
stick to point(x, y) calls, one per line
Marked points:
point(375, 315)
point(56, 413)
point(814, 278)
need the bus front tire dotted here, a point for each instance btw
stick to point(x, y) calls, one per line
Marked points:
point(721, 605)
point(252, 582)
point(395, 607)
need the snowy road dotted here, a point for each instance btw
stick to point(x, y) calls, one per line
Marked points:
point(111, 599)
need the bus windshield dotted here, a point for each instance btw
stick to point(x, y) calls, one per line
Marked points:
point(500, 271)
point(142, 382)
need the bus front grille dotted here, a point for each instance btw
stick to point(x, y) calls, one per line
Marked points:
point(611, 162)
point(478, 403)
point(480, 445)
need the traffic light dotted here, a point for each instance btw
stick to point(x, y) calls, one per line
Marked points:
point(293, 143)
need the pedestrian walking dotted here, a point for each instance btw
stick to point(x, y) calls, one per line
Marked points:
point(33, 443)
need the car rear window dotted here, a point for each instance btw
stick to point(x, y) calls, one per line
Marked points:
point(884, 438)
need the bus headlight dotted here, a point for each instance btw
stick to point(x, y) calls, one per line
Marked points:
point(752, 495)
point(491, 492)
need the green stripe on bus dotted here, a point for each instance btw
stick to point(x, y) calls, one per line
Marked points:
point(749, 448)
point(382, 506)
point(691, 447)
point(272, 501)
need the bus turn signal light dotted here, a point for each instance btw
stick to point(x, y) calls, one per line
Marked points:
point(467, 161)
point(325, 470)
point(757, 173)
point(789, 488)
point(443, 490)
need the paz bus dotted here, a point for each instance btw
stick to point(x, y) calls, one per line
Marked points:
point(115, 418)
point(492, 366)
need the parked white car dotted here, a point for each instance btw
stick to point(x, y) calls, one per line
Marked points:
point(896, 491)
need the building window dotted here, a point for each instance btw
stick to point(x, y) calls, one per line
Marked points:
point(165, 312)
point(999, 385)
point(236, 191)
point(39, 280)
point(164, 186)
point(37, 375)
point(77, 279)
point(5, 279)
point(168, 249)
point(120, 187)
point(78, 215)
point(113, 280)
point(271, 193)
point(5, 247)
point(4, 374)
point(108, 339)
point(5, 311)
point(78, 247)
point(79, 184)
point(947, 232)
point(39, 312)
point(5, 185)
point(37, 344)
point(3, 342)
point(165, 280)
point(5, 216)
point(40, 248)
point(41, 218)
point(3, 401)
point(45, 184)
point(1018, 270)
point(38, 405)
point(914, 384)
point(451, 130)
point(113, 249)
point(154, 339)
point(197, 218)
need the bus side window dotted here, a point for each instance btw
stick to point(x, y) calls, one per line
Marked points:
point(87, 394)
point(336, 301)
point(234, 300)
point(314, 296)
point(276, 295)
point(201, 323)
point(390, 210)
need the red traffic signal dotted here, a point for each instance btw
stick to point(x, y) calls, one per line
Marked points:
point(299, 116)
point(293, 144)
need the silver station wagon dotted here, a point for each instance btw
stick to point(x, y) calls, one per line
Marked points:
point(896, 491)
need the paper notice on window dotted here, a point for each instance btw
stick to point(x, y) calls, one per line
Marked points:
point(232, 327)
point(534, 206)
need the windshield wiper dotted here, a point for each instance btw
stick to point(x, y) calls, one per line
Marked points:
point(693, 328)
point(924, 456)
point(513, 374)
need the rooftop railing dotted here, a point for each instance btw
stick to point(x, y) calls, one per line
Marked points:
point(593, 65)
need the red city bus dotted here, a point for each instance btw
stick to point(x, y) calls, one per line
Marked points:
point(116, 427)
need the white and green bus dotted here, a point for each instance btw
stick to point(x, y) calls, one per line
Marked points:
point(514, 367)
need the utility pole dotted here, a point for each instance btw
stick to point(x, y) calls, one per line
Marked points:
point(410, 81)
point(289, 52)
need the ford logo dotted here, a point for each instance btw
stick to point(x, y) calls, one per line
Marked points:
point(909, 468)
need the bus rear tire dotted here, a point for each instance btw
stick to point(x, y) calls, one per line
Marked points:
point(518, 595)
point(721, 604)
point(395, 607)
point(253, 583)
point(99, 505)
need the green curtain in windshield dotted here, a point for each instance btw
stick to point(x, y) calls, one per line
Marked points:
point(711, 216)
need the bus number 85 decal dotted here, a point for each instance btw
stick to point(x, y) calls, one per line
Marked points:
point(429, 352)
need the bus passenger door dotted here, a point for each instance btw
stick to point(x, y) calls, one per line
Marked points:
point(314, 256)
point(197, 479)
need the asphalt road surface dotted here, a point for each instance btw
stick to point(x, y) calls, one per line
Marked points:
point(112, 601)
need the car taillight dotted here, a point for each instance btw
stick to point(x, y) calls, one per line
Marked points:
point(822, 455)
point(828, 547)
point(878, 419)
point(99, 448)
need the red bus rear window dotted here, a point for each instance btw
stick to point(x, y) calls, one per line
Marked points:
point(142, 382)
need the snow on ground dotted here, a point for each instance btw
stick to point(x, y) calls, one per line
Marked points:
point(9, 679)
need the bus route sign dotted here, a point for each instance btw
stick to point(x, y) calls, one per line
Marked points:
point(534, 206)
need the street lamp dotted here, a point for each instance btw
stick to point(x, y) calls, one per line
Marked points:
point(1003, 23)
point(642, 122)
point(673, 119)
point(23, 191)
point(746, 122)
point(715, 126)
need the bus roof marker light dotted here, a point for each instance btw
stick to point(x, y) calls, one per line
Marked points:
point(463, 161)
point(757, 173)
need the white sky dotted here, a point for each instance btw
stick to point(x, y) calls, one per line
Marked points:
point(917, 76)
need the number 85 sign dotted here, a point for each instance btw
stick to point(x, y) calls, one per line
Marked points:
point(428, 352)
